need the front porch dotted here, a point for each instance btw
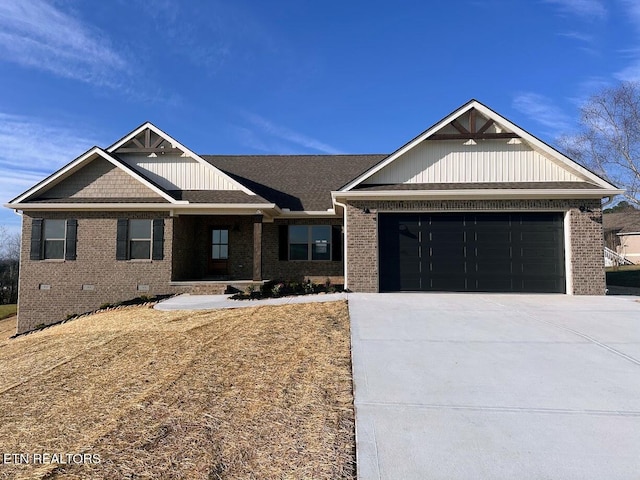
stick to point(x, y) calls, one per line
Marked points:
point(209, 251)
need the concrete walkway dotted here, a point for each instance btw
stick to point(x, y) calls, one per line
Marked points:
point(479, 386)
point(211, 302)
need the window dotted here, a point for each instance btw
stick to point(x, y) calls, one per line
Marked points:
point(219, 244)
point(309, 242)
point(140, 239)
point(53, 239)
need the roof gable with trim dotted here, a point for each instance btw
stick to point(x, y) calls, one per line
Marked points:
point(170, 164)
point(475, 144)
point(66, 183)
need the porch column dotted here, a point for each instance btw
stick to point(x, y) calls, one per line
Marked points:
point(257, 247)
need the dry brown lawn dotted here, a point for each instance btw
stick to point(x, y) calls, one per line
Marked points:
point(260, 393)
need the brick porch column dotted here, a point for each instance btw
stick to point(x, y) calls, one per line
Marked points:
point(257, 247)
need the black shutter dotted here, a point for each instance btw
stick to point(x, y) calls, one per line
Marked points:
point(158, 239)
point(336, 243)
point(36, 239)
point(122, 237)
point(283, 242)
point(72, 239)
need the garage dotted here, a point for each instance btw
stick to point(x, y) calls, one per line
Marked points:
point(472, 252)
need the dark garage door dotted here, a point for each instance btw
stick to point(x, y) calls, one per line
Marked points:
point(472, 252)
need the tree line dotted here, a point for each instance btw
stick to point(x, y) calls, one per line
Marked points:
point(9, 265)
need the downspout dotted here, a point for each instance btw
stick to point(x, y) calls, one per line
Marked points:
point(610, 199)
point(344, 246)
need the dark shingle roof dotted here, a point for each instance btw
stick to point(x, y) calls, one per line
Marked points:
point(621, 222)
point(216, 196)
point(479, 186)
point(296, 182)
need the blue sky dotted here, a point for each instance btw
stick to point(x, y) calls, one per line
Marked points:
point(292, 76)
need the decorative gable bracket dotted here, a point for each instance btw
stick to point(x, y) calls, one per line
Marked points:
point(148, 141)
point(489, 129)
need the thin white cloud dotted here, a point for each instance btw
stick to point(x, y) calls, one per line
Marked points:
point(540, 109)
point(273, 130)
point(587, 9)
point(32, 149)
point(582, 37)
point(37, 34)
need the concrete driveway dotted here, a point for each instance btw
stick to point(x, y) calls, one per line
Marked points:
point(482, 386)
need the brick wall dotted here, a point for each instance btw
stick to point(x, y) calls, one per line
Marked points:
point(586, 250)
point(275, 269)
point(100, 178)
point(96, 265)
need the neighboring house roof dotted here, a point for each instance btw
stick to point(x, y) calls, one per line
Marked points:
point(296, 182)
point(622, 222)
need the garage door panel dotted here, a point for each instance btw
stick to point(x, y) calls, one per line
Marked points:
point(507, 252)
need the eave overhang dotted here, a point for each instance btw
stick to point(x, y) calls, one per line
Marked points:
point(473, 194)
point(196, 208)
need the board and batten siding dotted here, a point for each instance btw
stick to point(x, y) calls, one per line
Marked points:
point(176, 172)
point(445, 161)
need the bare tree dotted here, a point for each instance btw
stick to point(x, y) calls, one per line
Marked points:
point(609, 139)
point(9, 265)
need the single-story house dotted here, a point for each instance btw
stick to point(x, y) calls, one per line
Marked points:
point(622, 234)
point(473, 203)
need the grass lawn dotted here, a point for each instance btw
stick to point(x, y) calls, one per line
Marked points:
point(626, 276)
point(258, 393)
point(8, 310)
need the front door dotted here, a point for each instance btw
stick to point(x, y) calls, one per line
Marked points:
point(219, 252)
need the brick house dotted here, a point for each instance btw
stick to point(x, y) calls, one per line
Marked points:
point(474, 203)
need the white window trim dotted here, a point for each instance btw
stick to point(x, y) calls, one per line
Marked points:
point(132, 239)
point(45, 239)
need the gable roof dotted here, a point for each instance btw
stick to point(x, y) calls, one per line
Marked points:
point(151, 127)
point(82, 161)
point(295, 182)
point(511, 130)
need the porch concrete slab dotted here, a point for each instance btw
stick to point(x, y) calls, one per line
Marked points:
point(461, 386)
point(213, 302)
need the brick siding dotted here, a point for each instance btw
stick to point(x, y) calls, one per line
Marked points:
point(96, 265)
point(585, 233)
point(275, 269)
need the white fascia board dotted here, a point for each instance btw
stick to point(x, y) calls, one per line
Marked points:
point(473, 194)
point(624, 234)
point(180, 208)
point(180, 146)
point(78, 163)
point(405, 148)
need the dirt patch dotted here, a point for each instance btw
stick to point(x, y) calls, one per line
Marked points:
point(249, 393)
point(7, 327)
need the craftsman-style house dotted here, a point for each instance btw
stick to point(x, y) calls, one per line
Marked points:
point(474, 203)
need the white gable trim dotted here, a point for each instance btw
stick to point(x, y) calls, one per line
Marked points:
point(180, 146)
point(80, 162)
point(535, 143)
